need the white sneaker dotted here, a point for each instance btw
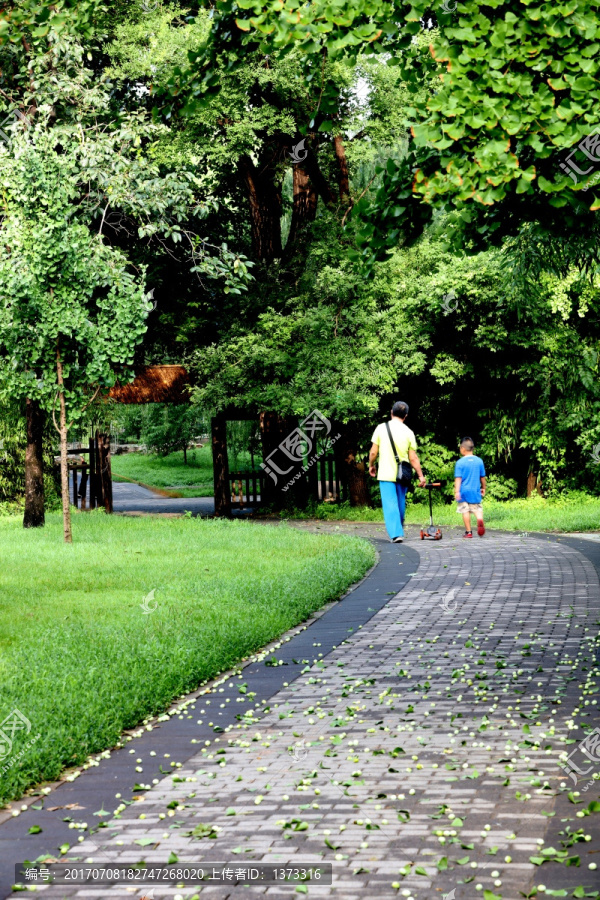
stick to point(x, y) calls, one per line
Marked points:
point(397, 540)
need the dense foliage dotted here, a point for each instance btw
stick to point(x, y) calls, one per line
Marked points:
point(252, 163)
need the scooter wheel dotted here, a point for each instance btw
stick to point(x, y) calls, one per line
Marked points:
point(422, 535)
point(439, 535)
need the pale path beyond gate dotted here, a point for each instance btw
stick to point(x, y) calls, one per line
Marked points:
point(360, 751)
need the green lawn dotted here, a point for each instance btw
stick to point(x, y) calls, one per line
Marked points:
point(169, 472)
point(574, 512)
point(80, 659)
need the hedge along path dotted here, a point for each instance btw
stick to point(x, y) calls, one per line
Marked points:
point(420, 756)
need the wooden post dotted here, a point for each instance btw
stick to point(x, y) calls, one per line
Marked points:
point(74, 487)
point(220, 466)
point(313, 480)
point(270, 434)
point(98, 466)
point(323, 478)
point(83, 487)
point(105, 470)
point(92, 457)
point(64, 472)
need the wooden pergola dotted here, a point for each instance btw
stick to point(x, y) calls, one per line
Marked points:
point(154, 384)
point(171, 384)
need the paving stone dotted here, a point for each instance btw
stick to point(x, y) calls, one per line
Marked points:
point(385, 731)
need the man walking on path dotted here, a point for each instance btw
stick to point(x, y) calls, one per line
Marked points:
point(390, 440)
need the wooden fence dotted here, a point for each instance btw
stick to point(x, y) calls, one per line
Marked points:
point(246, 489)
point(321, 480)
point(96, 474)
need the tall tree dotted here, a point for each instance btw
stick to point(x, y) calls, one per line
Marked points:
point(267, 122)
point(71, 311)
point(98, 180)
point(508, 132)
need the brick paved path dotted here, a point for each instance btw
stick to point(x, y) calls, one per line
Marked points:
point(419, 757)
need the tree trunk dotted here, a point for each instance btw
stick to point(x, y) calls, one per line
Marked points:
point(533, 484)
point(34, 516)
point(220, 467)
point(265, 210)
point(344, 178)
point(354, 474)
point(105, 470)
point(318, 180)
point(64, 472)
point(305, 205)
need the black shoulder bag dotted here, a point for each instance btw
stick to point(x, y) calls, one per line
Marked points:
point(404, 474)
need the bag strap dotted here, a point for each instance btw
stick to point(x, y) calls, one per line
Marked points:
point(389, 431)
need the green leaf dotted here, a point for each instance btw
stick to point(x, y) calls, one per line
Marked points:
point(35, 829)
point(202, 831)
point(145, 842)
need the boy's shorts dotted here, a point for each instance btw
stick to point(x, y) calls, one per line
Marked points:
point(463, 507)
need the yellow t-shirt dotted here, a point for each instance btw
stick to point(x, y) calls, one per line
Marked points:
point(404, 439)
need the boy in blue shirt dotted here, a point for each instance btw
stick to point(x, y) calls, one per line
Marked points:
point(469, 486)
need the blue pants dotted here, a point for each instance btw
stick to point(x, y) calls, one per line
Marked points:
point(393, 500)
